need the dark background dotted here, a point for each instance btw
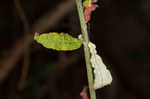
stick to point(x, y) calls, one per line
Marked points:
point(119, 28)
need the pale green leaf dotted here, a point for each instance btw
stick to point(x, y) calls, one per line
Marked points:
point(58, 41)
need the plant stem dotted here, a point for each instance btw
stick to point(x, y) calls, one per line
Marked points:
point(86, 49)
point(27, 31)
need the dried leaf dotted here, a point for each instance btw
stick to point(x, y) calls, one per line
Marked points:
point(89, 7)
point(83, 94)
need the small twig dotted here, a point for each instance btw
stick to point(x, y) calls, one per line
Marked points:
point(14, 55)
point(86, 49)
point(46, 22)
point(26, 54)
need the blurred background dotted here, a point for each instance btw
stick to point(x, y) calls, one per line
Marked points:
point(119, 28)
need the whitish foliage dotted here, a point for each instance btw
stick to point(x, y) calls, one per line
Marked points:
point(101, 73)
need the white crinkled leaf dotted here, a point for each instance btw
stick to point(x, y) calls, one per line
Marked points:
point(102, 74)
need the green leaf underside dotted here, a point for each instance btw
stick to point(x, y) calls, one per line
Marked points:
point(58, 41)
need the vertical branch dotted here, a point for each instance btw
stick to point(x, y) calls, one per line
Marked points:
point(26, 50)
point(86, 49)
